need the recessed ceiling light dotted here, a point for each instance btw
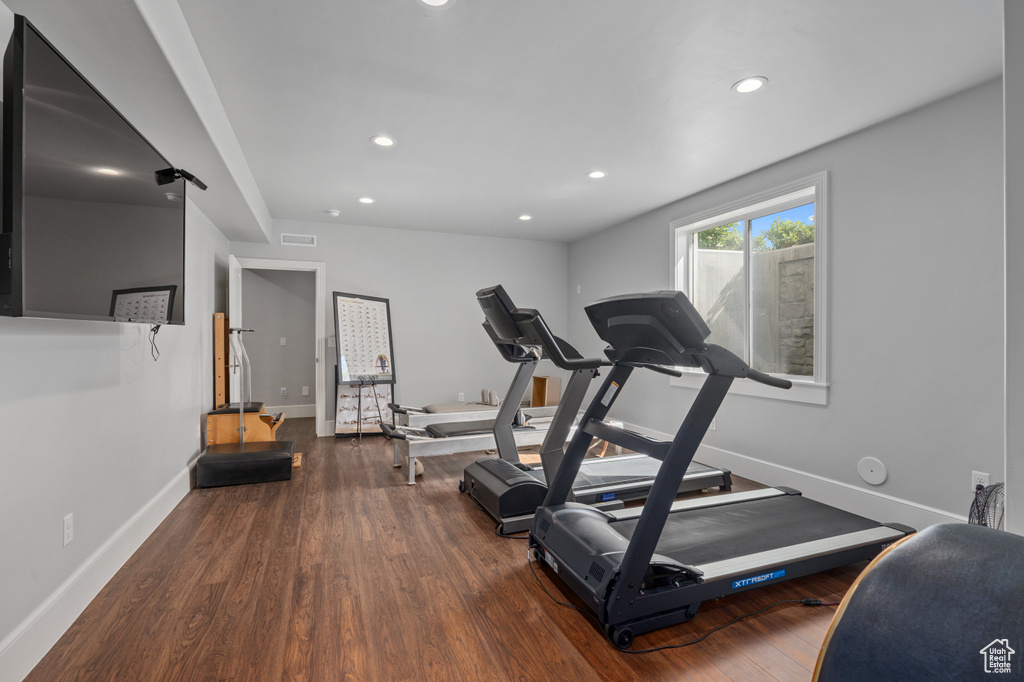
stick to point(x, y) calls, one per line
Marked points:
point(750, 84)
point(596, 174)
point(383, 141)
point(333, 212)
point(172, 196)
point(526, 217)
point(435, 3)
point(108, 171)
point(365, 200)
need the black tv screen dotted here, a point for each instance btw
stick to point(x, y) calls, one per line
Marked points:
point(90, 209)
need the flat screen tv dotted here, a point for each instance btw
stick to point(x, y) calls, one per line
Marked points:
point(93, 214)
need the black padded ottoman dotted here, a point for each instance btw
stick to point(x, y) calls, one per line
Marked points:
point(238, 463)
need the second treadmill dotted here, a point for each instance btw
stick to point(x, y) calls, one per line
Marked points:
point(510, 492)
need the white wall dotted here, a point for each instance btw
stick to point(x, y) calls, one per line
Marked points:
point(430, 279)
point(281, 304)
point(93, 426)
point(1013, 62)
point(916, 377)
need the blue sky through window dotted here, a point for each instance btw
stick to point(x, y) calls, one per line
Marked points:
point(804, 214)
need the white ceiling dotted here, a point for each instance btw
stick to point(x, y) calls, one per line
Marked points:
point(501, 107)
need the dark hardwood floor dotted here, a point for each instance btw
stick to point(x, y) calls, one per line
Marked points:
point(346, 572)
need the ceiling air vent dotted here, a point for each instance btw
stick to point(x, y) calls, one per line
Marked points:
point(298, 240)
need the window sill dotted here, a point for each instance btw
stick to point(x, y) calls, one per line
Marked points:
point(806, 392)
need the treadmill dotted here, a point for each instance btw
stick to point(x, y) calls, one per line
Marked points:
point(509, 490)
point(646, 568)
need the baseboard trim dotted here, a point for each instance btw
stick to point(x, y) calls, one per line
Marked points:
point(26, 645)
point(870, 503)
point(293, 411)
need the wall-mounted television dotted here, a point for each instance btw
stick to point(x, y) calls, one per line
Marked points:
point(90, 208)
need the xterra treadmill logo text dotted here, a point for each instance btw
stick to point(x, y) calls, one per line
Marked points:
point(747, 582)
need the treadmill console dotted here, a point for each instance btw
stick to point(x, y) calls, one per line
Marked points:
point(659, 328)
point(498, 307)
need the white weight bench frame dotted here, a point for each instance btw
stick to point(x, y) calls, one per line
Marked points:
point(415, 445)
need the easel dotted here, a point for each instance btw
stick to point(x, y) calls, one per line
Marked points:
point(372, 383)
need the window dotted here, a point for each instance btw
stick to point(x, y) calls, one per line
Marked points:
point(755, 270)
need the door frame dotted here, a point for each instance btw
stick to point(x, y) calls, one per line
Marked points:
point(235, 268)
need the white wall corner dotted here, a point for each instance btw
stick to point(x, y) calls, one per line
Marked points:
point(26, 645)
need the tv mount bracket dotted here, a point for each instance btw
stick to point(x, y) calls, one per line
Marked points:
point(169, 175)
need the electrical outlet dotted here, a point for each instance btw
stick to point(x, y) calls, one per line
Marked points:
point(714, 424)
point(305, 390)
point(69, 529)
point(284, 341)
point(979, 478)
point(462, 397)
point(284, 392)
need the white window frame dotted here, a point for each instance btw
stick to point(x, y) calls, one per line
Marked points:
point(811, 390)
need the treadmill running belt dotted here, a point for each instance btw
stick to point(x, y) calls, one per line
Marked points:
point(598, 472)
point(595, 473)
point(708, 535)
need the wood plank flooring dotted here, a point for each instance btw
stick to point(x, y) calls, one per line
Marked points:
point(347, 573)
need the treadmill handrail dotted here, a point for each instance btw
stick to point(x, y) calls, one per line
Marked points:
point(767, 379)
point(631, 440)
point(531, 321)
point(511, 352)
point(660, 369)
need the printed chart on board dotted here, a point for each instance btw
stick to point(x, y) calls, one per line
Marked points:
point(366, 366)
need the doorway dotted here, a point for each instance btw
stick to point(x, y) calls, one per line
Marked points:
point(256, 276)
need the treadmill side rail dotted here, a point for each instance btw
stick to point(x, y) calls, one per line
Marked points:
point(655, 609)
point(692, 503)
point(763, 561)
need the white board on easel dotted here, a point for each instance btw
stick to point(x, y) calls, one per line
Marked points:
point(366, 363)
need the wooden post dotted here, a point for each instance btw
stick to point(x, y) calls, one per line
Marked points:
point(220, 360)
